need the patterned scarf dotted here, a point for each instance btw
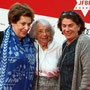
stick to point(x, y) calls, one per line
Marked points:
point(17, 62)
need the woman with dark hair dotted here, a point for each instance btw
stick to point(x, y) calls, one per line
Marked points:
point(74, 63)
point(17, 52)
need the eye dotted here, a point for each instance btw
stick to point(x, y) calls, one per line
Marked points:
point(71, 25)
point(29, 24)
point(40, 31)
point(23, 24)
point(63, 25)
point(47, 30)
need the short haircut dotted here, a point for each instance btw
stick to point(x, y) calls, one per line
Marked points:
point(17, 10)
point(32, 32)
point(75, 17)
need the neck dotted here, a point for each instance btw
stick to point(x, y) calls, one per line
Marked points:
point(70, 41)
point(44, 46)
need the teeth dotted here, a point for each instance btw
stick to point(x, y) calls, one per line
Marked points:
point(44, 38)
point(68, 33)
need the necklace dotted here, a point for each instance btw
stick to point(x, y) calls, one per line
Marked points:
point(41, 58)
point(61, 63)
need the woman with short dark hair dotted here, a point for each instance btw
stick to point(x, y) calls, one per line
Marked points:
point(17, 52)
point(74, 63)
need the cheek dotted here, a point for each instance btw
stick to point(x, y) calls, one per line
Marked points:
point(63, 28)
point(18, 28)
point(63, 31)
point(49, 36)
point(38, 36)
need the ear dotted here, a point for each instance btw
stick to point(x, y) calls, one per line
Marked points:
point(79, 26)
point(12, 24)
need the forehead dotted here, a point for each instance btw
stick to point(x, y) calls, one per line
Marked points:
point(25, 18)
point(40, 25)
point(67, 21)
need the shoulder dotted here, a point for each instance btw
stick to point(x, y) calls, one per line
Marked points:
point(1, 36)
point(83, 43)
point(55, 44)
point(84, 39)
point(31, 39)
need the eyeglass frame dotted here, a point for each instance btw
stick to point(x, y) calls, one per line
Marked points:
point(69, 13)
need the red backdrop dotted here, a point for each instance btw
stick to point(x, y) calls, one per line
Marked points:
point(51, 8)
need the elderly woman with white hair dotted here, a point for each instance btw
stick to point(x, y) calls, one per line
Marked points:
point(48, 53)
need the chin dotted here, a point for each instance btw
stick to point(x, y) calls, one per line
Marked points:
point(68, 37)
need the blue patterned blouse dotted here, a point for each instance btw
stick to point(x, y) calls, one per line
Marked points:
point(17, 62)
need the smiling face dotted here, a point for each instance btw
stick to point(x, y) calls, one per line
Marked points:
point(70, 29)
point(21, 27)
point(42, 34)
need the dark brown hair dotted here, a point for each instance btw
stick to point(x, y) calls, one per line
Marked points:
point(76, 17)
point(18, 10)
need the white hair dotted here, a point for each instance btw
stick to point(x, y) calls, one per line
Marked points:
point(32, 32)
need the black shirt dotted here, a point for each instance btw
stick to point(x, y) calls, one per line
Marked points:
point(67, 65)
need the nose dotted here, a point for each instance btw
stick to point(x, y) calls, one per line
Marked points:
point(44, 33)
point(27, 27)
point(67, 28)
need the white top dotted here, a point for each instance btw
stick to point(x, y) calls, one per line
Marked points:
point(48, 59)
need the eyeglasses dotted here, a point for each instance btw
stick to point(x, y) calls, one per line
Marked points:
point(69, 12)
